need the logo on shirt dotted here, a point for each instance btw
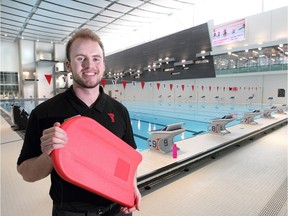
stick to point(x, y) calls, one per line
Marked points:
point(111, 115)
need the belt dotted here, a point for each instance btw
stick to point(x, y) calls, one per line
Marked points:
point(95, 212)
point(101, 210)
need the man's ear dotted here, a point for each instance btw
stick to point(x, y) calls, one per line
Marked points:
point(67, 65)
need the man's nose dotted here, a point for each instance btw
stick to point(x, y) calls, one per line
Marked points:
point(87, 63)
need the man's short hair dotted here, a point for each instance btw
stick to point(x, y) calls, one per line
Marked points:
point(85, 34)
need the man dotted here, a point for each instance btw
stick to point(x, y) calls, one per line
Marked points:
point(85, 60)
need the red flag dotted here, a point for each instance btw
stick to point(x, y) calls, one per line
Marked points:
point(142, 84)
point(217, 88)
point(48, 78)
point(103, 82)
point(183, 86)
point(192, 87)
point(171, 86)
point(124, 84)
point(158, 86)
point(202, 88)
point(209, 88)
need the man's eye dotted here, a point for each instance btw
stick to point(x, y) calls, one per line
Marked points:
point(96, 59)
point(81, 59)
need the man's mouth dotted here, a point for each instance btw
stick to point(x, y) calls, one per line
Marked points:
point(89, 73)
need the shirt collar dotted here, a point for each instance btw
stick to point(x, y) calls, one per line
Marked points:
point(100, 102)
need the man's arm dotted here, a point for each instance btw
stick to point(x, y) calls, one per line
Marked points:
point(138, 199)
point(36, 168)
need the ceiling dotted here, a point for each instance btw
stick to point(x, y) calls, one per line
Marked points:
point(55, 21)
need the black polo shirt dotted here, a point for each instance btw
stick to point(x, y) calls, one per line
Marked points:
point(107, 111)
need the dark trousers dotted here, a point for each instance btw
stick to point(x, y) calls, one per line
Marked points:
point(115, 211)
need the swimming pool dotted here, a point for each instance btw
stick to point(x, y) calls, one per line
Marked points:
point(151, 115)
point(154, 115)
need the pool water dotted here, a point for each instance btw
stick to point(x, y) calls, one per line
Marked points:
point(154, 115)
point(147, 116)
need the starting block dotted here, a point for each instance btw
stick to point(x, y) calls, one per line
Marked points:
point(218, 125)
point(281, 109)
point(232, 98)
point(267, 113)
point(248, 117)
point(162, 140)
point(270, 100)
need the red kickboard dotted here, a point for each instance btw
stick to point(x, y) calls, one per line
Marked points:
point(97, 160)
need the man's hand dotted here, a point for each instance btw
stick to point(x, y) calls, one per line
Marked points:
point(53, 138)
point(136, 206)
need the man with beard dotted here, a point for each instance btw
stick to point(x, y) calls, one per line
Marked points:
point(85, 60)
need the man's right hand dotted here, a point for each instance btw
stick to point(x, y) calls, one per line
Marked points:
point(53, 138)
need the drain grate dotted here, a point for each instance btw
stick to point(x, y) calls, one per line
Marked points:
point(277, 201)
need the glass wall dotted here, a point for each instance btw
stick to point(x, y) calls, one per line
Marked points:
point(254, 60)
point(8, 84)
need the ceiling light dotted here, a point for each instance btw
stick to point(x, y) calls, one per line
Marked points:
point(167, 59)
point(183, 63)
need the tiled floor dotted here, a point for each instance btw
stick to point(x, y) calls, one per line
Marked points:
point(251, 180)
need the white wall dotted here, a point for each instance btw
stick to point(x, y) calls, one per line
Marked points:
point(60, 52)
point(9, 57)
point(243, 86)
point(27, 56)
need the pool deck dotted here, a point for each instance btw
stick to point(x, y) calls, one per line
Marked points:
point(217, 188)
point(154, 164)
point(194, 147)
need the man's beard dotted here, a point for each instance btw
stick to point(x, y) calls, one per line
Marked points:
point(85, 84)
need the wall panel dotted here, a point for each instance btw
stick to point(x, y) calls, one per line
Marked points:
point(181, 45)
